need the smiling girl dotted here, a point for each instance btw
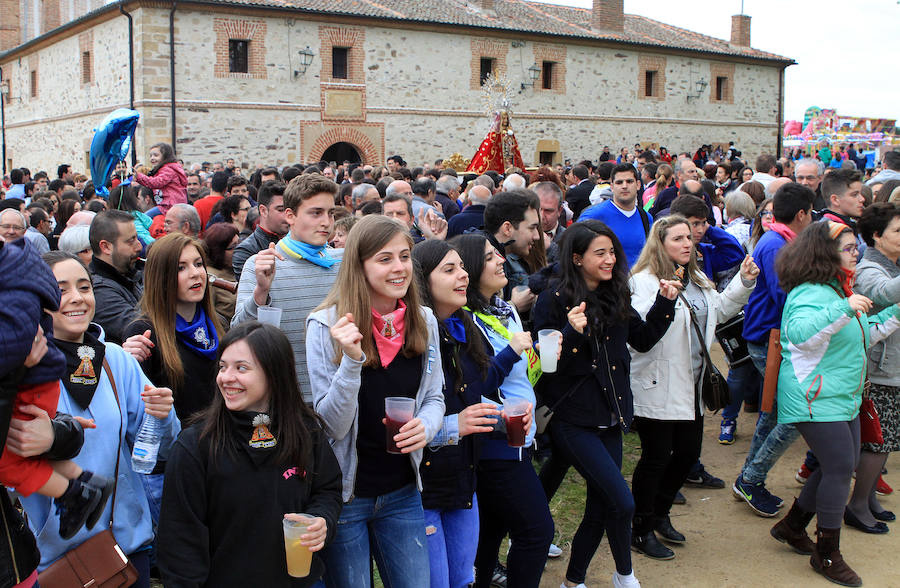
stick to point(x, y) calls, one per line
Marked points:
point(167, 179)
point(371, 339)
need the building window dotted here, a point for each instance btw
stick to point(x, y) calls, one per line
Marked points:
point(547, 75)
point(86, 67)
point(238, 56)
point(721, 88)
point(34, 82)
point(649, 83)
point(546, 157)
point(340, 58)
point(487, 67)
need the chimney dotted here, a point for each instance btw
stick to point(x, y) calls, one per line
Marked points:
point(9, 24)
point(483, 5)
point(740, 30)
point(608, 16)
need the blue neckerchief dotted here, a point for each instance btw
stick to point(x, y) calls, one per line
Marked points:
point(199, 335)
point(456, 328)
point(317, 255)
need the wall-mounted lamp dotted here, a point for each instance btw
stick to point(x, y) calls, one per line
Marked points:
point(699, 87)
point(534, 72)
point(306, 58)
point(4, 88)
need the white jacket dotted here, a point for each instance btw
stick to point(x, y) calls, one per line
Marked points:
point(662, 381)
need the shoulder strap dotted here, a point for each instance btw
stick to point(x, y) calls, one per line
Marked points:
point(699, 332)
point(581, 381)
point(112, 382)
point(645, 220)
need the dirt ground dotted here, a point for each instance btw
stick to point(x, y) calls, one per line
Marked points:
point(729, 545)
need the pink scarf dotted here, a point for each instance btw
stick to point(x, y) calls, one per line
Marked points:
point(389, 333)
point(783, 230)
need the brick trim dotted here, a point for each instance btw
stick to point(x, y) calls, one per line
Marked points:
point(493, 48)
point(344, 134)
point(353, 38)
point(721, 70)
point(243, 29)
point(86, 51)
point(34, 65)
point(556, 54)
point(655, 63)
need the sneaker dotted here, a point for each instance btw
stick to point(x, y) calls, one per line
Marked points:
point(777, 501)
point(704, 479)
point(755, 495)
point(679, 498)
point(726, 431)
point(882, 488)
point(74, 507)
point(499, 578)
point(803, 474)
point(629, 581)
point(554, 551)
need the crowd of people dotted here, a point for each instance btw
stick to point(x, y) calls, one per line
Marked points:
point(260, 323)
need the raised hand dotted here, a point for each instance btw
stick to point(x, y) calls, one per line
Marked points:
point(139, 346)
point(265, 273)
point(577, 318)
point(669, 288)
point(749, 269)
point(157, 401)
point(347, 335)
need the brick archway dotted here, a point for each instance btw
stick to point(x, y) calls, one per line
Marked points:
point(362, 143)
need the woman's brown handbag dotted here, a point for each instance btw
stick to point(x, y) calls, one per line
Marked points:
point(98, 562)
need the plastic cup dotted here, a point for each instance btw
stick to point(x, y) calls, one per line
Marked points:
point(269, 315)
point(514, 410)
point(549, 340)
point(398, 410)
point(299, 557)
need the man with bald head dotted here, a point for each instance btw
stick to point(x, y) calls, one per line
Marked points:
point(685, 170)
point(808, 173)
point(775, 184)
point(472, 216)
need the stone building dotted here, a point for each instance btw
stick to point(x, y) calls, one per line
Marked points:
point(287, 81)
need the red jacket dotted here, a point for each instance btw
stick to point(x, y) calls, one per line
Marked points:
point(169, 185)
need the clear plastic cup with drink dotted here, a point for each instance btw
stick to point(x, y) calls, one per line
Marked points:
point(299, 557)
point(398, 410)
point(514, 410)
point(549, 341)
point(270, 315)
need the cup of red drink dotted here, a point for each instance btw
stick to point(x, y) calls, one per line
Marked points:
point(514, 410)
point(398, 410)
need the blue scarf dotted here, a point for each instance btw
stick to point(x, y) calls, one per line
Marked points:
point(455, 328)
point(199, 335)
point(312, 253)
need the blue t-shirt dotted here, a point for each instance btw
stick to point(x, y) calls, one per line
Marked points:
point(629, 229)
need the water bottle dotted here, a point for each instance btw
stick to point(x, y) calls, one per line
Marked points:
point(146, 446)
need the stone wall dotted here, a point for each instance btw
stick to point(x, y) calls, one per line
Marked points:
point(408, 92)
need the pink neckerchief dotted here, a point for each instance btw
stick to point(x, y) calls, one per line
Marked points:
point(389, 333)
point(783, 230)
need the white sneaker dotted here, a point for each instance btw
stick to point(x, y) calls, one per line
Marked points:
point(554, 551)
point(629, 581)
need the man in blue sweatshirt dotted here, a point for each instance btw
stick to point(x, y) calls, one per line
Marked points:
point(792, 207)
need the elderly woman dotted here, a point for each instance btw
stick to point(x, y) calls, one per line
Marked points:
point(76, 240)
point(739, 213)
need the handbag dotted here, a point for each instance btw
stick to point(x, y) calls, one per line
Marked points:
point(99, 562)
point(869, 422)
point(773, 368)
point(713, 387)
point(731, 338)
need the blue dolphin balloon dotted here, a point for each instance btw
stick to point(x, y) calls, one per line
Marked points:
point(112, 140)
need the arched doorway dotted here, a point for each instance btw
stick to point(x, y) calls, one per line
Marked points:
point(341, 152)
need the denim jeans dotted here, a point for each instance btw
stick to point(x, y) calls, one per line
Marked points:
point(511, 500)
point(744, 383)
point(452, 542)
point(771, 439)
point(153, 488)
point(609, 505)
point(392, 528)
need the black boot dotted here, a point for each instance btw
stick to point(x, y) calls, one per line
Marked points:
point(828, 561)
point(643, 539)
point(792, 530)
point(75, 506)
point(667, 532)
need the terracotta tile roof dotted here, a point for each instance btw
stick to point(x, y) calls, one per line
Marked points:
point(520, 16)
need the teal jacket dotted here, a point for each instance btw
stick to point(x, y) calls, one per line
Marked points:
point(823, 356)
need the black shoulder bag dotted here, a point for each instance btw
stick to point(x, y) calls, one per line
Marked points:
point(713, 387)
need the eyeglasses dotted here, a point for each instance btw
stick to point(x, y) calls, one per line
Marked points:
point(766, 213)
point(851, 249)
point(244, 209)
point(12, 228)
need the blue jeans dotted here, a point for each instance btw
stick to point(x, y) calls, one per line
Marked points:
point(744, 383)
point(609, 505)
point(153, 488)
point(452, 542)
point(771, 439)
point(392, 528)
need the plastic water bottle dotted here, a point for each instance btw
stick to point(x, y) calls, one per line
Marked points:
point(146, 446)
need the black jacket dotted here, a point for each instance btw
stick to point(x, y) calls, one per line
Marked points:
point(596, 368)
point(448, 472)
point(579, 197)
point(116, 297)
point(470, 217)
point(220, 521)
point(256, 242)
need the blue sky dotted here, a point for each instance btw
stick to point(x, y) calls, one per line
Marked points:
point(846, 52)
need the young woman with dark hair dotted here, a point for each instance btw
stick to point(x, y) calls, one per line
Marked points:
point(370, 339)
point(471, 371)
point(220, 240)
point(825, 334)
point(64, 212)
point(256, 456)
point(590, 303)
point(167, 179)
point(509, 493)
